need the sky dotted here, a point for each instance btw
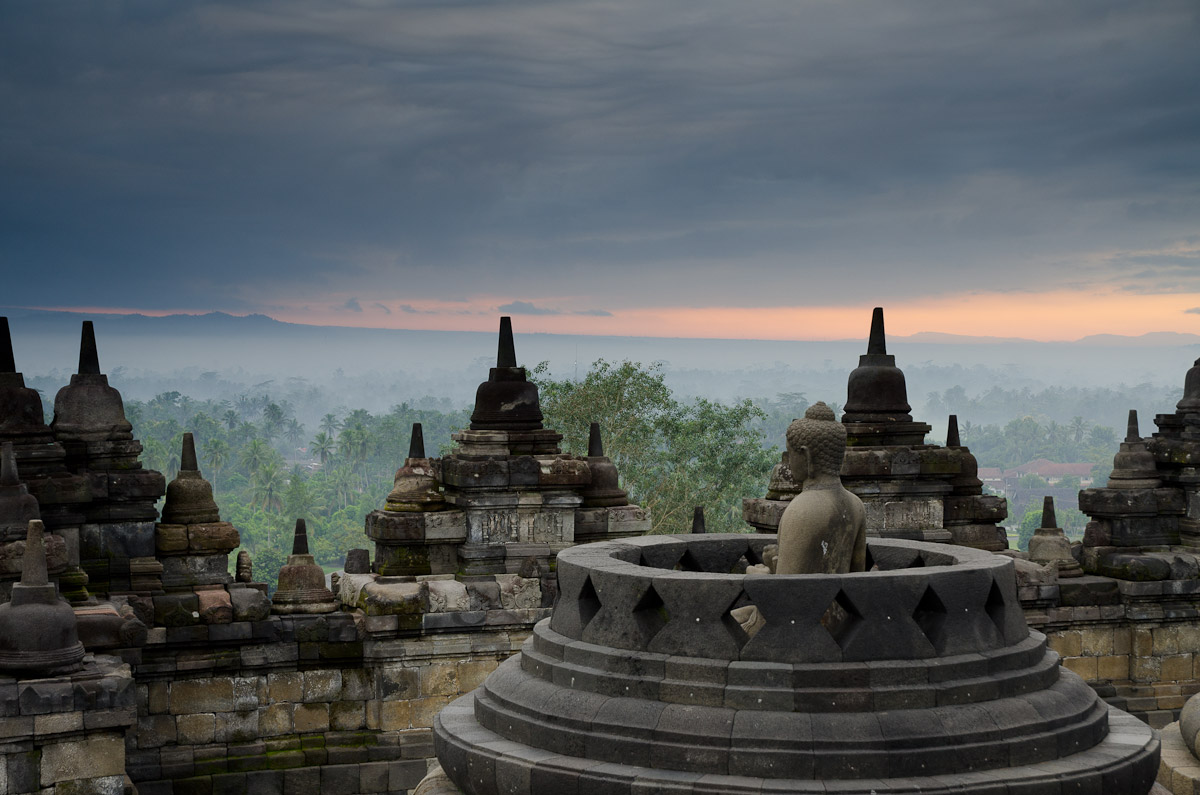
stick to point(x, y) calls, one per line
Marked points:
point(672, 168)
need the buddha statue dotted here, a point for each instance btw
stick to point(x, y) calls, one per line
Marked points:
point(823, 529)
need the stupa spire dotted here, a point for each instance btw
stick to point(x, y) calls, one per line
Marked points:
point(7, 363)
point(698, 520)
point(300, 538)
point(187, 458)
point(877, 344)
point(1131, 431)
point(952, 438)
point(1048, 517)
point(416, 444)
point(33, 567)
point(89, 359)
point(595, 443)
point(506, 353)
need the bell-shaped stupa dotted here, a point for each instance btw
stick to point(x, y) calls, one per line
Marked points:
point(507, 401)
point(416, 486)
point(189, 495)
point(301, 581)
point(38, 635)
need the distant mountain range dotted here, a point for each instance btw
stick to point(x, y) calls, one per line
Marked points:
point(256, 348)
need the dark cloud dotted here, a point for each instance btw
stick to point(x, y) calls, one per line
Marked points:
point(526, 308)
point(593, 313)
point(353, 305)
point(386, 311)
point(229, 154)
point(1195, 310)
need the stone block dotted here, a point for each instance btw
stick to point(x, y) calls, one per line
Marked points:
point(1096, 641)
point(439, 679)
point(357, 684)
point(89, 757)
point(155, 731)
point(447, 596)
point(275, 719)
point(1113, 668)
point(170, 539)
point(1176, 667)
point(424, 710)
point(249, 604)
point(322, 685)
point(398, 682)
point(519, 593)
point(311, 717)
point(287, 686)
point(305, 781)
point(201, 695)
point(347, 716)
point(237, 727)
point(471, 673)
point(196, 729)
point(1084, 666)
point(217, 537)
point(214, 606)
point(58, 723)
point(395, 715)
point(176, 609)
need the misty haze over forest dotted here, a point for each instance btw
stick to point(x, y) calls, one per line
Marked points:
point(321, 369)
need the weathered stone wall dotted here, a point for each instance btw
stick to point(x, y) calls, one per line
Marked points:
point(64, 735)
point(300, 704)
point(1136, 643)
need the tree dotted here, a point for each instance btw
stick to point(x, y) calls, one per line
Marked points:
point(216, 455)
point(322, 446)
point(255, 454)
point(671, 456)
point(330, 424)
point(269, 482)
point(1030, 522)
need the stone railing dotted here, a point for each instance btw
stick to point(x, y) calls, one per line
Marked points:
point(674, 596)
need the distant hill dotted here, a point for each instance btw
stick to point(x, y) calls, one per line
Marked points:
point(254, 349)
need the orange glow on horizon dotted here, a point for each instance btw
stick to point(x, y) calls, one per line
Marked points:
point(1051, 316)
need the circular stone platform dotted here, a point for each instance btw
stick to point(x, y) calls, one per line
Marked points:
point(920, 676)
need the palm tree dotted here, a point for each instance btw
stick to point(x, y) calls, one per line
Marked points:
point(255, 455)
point(231, 419)
point(322, 446)
point(293, 431)
point(330, 424)
point(216, 454)
point(269, 482)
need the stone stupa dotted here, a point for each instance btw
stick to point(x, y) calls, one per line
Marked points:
point(301, 581)
point(1049, 544)
point(37, 629)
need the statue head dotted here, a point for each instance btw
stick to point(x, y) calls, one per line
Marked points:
point(816, 444)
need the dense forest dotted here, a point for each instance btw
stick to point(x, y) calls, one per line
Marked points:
point(268, 467)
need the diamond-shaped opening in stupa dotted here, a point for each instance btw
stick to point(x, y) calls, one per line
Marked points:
point(930, 616)
point(995, 607)
point(841, 617)
point(650, 614)
point(589, 603)
point(689, 563)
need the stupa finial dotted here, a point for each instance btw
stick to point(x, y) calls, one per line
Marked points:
point(416, 444)
point(877, 344)
point(1131, 433)
point(89, 359)
point(952, 438)
point(33, 568)
point(300, 538)
point(7, 363)
point(698, 520)
point(187, 458)
point(506, 354)
point(1048, 517)
point(595, 443)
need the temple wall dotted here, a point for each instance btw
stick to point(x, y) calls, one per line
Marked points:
point(1136, 643)
point(299, 704)
point(64, 735)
